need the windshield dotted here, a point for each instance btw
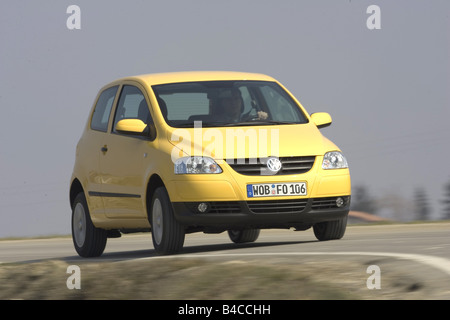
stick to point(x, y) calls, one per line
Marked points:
point(227, 103)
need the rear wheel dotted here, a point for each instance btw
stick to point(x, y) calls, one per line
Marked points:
point(88, 240)
point(330, 230)
point(167, 233)
point(242, 236)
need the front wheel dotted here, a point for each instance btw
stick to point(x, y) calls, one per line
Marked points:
point(88, 240)
point(167, 233)
point(242, 236)
point(330, 230)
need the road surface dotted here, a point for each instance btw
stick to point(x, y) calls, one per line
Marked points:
point(411, 255)
point(430, 240)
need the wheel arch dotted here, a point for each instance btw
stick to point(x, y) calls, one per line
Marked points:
point(75, 188)
point(154, 182)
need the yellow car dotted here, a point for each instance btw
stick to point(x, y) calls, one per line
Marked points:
point(176, 153)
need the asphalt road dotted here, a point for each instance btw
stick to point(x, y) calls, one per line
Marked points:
point(413, 259)
point(428, 244)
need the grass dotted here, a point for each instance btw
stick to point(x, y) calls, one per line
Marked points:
point(176, 278)
point(165, 279)
point(207, 279)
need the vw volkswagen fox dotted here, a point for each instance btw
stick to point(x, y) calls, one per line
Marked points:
point(212, 152)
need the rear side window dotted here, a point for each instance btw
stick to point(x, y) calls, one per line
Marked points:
point(102, 110)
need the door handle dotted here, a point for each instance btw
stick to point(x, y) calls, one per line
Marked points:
point(104, 149)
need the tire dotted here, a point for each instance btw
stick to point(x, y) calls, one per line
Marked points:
point(243, 236)
point(88, 240)
point(330, 230)
point(167, 233)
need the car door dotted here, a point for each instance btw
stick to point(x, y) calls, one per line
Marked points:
point(122, 158)
point(89, 149)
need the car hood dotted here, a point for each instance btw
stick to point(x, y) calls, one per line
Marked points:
point(249, 142)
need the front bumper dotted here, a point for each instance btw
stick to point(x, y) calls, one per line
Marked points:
point(262, 214)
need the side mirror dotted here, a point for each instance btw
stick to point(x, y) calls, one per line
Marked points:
point(131, 126)
point(321, 119)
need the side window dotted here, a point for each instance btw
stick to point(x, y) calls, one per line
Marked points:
point(132, 105)
point(102, 110)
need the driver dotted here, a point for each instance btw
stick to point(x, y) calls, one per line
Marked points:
point(231, 106)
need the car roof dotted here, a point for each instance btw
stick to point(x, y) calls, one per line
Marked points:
point(190, 76)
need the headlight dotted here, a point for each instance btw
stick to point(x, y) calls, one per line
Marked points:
point(192, 165)
point(334, 160)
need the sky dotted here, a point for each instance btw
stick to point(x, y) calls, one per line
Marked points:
point(386, 89)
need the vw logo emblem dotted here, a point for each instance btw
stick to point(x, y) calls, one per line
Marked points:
point(273, 164)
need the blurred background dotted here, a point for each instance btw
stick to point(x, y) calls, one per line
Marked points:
point(387, 89)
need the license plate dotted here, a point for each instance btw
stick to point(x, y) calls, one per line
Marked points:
point(276, 189)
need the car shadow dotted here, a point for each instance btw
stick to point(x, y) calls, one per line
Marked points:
point(200, 250)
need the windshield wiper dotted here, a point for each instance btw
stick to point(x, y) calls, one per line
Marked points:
point(184, 125)
point(214, 124)
point(258, 123)
point(206, 124)
point(203, 124)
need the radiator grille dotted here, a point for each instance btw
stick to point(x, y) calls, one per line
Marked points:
point(278, 206)
point(225, 207)
point(256, 167)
